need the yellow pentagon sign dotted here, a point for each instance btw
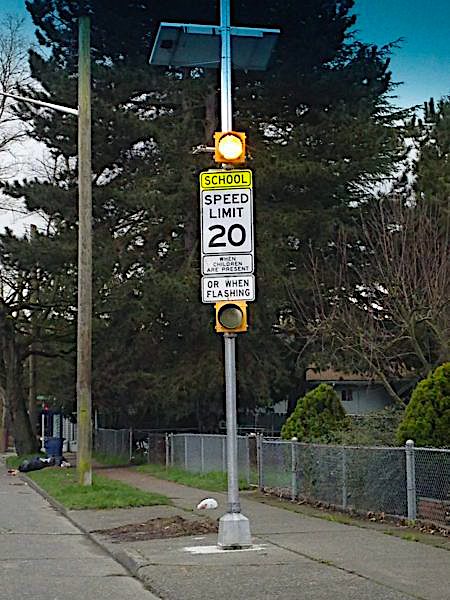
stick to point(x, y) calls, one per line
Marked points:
point(223, 179)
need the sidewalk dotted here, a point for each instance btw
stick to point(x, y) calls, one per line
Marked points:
point(45, 557)
point(296, 557)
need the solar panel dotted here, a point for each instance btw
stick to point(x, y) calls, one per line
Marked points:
point(188, 45)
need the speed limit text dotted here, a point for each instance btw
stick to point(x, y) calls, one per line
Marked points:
point(232, 200)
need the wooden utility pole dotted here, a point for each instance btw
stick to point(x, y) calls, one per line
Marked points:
point(3, 411)
point(3, 428)
point(84, 323)
point(32, 407)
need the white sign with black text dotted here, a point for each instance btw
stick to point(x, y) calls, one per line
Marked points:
point(227, 264)
point(232, 287)
point(227, 221)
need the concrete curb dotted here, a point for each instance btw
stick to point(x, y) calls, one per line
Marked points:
point(128, 560)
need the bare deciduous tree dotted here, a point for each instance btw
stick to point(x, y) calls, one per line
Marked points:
point(13, 73)
point(386, 309)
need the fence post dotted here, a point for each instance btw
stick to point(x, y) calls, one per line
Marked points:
point(344, 478)
point(172, 449)
point(247, 453)
point(410, 479)
point(259, 461)
point(202, 453)
point(167, 449)
point(148, 448)
point(185, 452)
point(130, 444)
point(294, 491)
point(224, 455)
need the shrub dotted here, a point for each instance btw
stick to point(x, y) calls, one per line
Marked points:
point(316, 417)
point(373, 429)
point(427, 416)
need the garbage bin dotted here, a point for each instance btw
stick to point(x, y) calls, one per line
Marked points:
point(53, 446)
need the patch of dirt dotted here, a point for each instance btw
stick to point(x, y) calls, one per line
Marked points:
point(162, 527)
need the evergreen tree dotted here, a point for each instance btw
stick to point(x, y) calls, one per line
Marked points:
point(427, 417)
point(432, 170)
point(318, 416)
point(320, 124)
point(317, 122)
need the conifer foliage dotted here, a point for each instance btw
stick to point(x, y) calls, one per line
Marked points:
point(427, 416)
point(318, 124)
point(317, 416)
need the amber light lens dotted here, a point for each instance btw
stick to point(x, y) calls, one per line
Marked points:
point(231, 317)
point(230, 146)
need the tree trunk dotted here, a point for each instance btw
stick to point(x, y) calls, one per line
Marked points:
point(210, 116)
point(3, 428)
point(298, 390)
point(32, 360)
point(25, 441)
point(32, 406)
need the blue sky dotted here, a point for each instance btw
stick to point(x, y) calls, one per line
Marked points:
point(422, 62)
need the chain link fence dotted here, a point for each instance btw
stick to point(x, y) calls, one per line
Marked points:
point(201, 453)
point(404, 481)
point(113, 442)
point(132, 445)
point(357, 478)
point(432, 484)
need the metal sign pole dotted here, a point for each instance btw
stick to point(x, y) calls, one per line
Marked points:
point(234, 505)
point(225, 67)
point(234, 528)
point(183, 45)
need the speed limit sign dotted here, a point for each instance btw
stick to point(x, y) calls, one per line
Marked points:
point(227, 238)
point(227, 224)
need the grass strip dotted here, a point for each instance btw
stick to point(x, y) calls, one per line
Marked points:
point(215, 481)
point(63, 486)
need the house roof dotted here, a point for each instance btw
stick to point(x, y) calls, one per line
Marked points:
point(335, 376)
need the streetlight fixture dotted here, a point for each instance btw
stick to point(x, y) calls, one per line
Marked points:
point(58, 107)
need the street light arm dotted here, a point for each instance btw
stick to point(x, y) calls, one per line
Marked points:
point(64, 109)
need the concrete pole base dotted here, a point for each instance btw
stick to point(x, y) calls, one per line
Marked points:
point(234, 532)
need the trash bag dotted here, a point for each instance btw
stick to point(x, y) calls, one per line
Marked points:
point(35, 464)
